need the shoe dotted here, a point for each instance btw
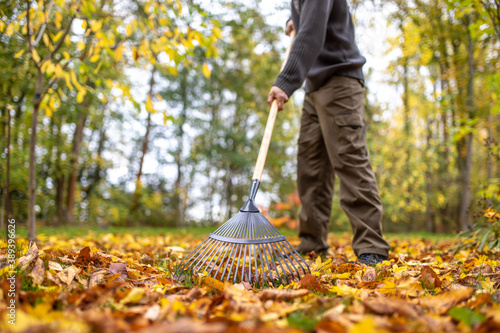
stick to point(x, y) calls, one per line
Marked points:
point(371, 259)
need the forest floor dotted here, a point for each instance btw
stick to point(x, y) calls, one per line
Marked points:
point(118, 280)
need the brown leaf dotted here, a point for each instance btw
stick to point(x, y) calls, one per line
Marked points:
point(84, 253)
point(55, 266)
point(429, 278)
point(282, 294)
point(213, 284)
point(195, 293)
point(311, 282)
point(346, 268)
point(478, 300)
point(38, 272)
point(370, 274)
point(118, 267)
point(482, 269)
point(390, 306)
point(96, 277)
point(29, 258)
point(327, 326)
point(67, 275)
point(441, 303)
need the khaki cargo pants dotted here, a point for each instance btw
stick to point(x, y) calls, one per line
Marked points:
point(333, 141)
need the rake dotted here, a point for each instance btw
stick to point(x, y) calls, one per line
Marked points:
point(248, 247)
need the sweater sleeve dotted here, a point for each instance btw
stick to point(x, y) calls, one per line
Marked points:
point(308, 43)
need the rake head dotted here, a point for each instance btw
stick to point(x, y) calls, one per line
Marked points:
point(246, 248)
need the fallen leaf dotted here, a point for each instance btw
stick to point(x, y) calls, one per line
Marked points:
point(38, 272)
point(30, 257)
point(429, 278)
point(282, 294)
point(389, 306)
point(443, 302)
point(55, 266)
point(67, 275)
point(96, 277)
point(213, 284)
point(370, 274)
point(118, 267)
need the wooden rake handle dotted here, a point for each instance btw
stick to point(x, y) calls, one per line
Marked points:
point(266, 140)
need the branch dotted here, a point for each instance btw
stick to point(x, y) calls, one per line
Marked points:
point(61, 41)
point(42, 29)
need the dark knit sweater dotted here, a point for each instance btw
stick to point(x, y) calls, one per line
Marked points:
point(324, 46)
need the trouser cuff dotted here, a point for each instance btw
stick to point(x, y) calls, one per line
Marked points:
point(372, 250)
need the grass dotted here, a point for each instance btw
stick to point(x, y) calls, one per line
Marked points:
point(197, 232)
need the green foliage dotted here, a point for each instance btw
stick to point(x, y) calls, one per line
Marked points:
point(466, 315)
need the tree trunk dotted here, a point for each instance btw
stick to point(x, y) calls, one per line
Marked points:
point(466, 178)
point(489, 159)
point(72, 178)
point(32, 159)
point(144, 149)
point(179, 182)
point(428, 182)
point(6, 202)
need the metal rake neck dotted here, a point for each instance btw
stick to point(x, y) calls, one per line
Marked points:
point(249, 206)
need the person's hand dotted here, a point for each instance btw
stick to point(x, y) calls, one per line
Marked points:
point(289, 27)
point(278, 94)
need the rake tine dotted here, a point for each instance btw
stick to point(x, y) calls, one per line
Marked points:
point(217, 255)
point(207, 244)
point(281, 251)
point(263, 254)
point(227, 263)
point(185, 261)
point(240, 231)
point(238, 247)
point(237, 265)
point(273, 263)
point(255, 263)
point(211, 246)
point(216, 246)
point(293, 252)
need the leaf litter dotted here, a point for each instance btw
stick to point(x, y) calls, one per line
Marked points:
point(125, 282)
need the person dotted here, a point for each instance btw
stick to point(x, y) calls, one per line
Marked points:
point(332, 138)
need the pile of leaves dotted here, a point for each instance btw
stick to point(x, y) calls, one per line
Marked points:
point(125, 282)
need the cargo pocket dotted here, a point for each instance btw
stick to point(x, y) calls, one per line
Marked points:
point(350, 134)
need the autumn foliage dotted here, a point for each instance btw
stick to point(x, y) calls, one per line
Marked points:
point(110, 283)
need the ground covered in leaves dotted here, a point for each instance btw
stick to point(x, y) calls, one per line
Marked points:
point(124, 282)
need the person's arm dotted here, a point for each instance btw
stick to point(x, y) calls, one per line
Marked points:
point(307, 45)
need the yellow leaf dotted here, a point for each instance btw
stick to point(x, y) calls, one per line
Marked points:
point(10, 29)
point(95, 25)
point(129, 29)
point(81, 94)
point(389, 288)
point(81, 45)
point(95, 58)
point(58, 36)
point(35, 55)
point(119, 52)
point(366, 325)
point(66, 55)
point(58, 19)
point(48, 111)
point(134, 296)
point(46, 39)
point(206, 73)
point(84, 24)
point(488, 285)
point(18, 54)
